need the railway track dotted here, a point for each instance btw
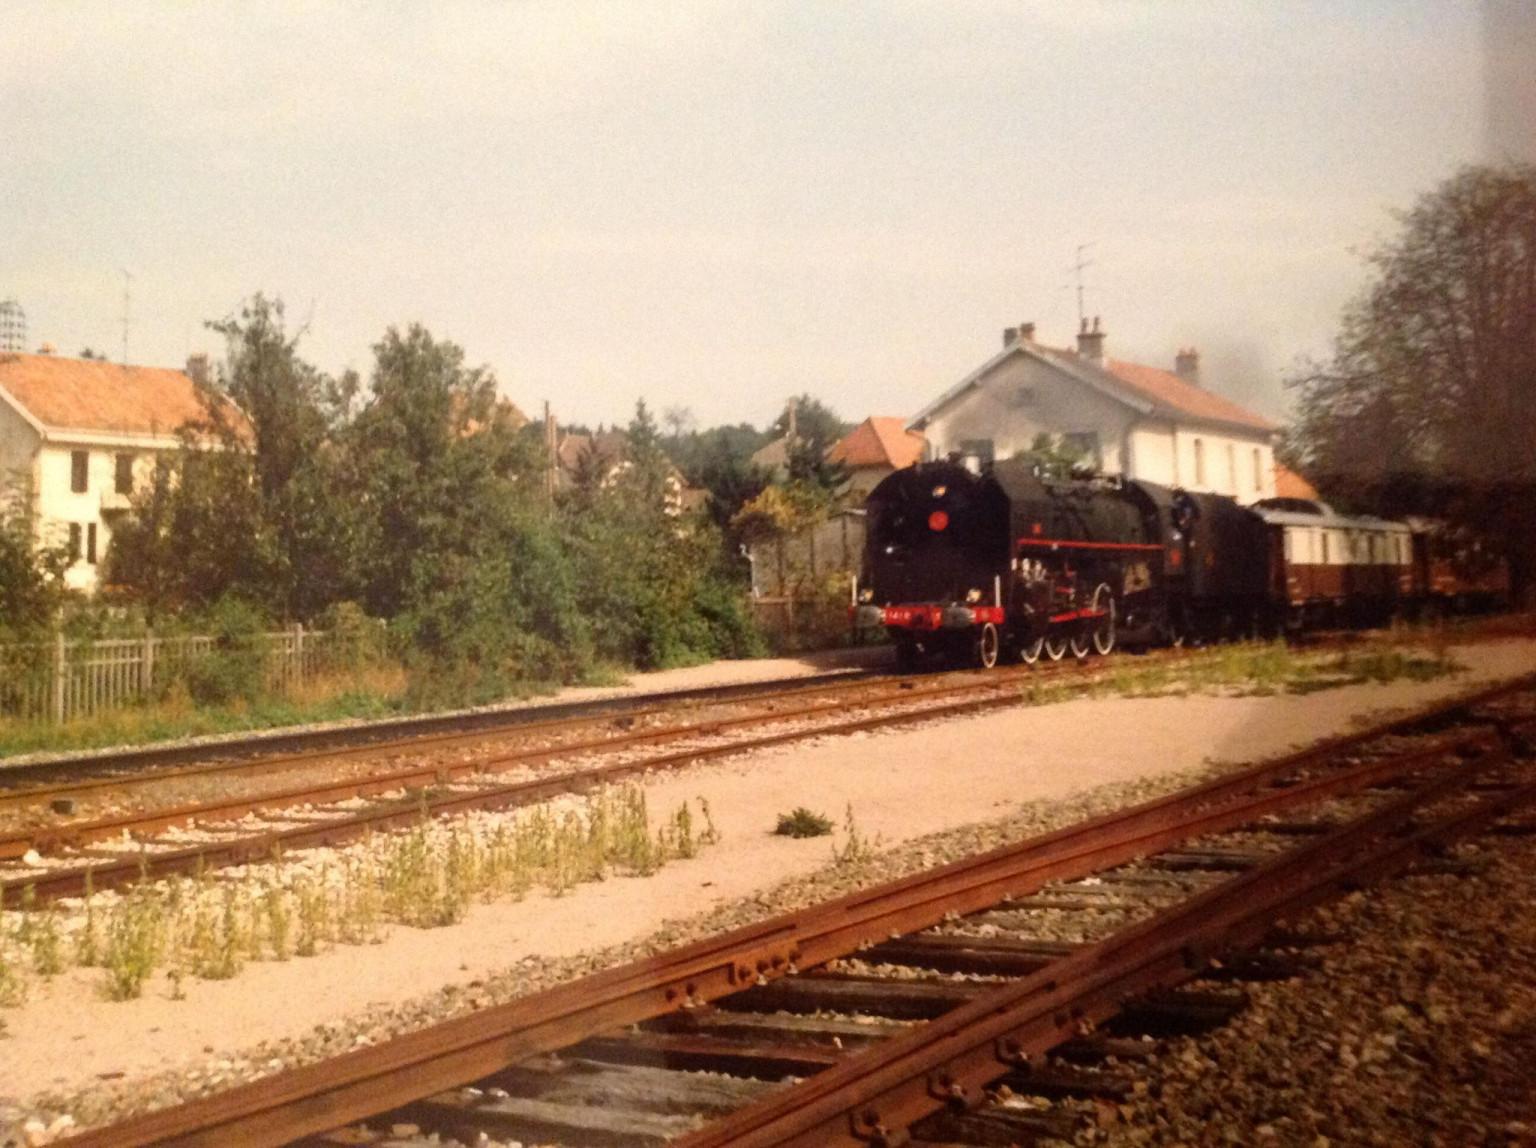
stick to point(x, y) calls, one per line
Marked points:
point(883, 1018)
point(261, 808)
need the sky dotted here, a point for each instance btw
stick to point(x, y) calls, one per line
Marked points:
point(714, 206)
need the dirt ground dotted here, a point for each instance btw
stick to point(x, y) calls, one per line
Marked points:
point(900, 785)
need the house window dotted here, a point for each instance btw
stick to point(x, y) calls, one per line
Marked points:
point(124, 475)
point(74, 542)
point(79, 470)
point(979, 449)
point(1258, 471)
point(90, 544)
point(1199, 463)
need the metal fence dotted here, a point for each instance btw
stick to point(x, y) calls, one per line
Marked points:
point(64, 679)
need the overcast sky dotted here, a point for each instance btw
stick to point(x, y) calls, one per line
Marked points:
point(716, 205)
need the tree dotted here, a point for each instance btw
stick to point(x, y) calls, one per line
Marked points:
point(1052, 456)
point(252, 505)
point(1428, 404)
point(31, 576)
point(817, 428)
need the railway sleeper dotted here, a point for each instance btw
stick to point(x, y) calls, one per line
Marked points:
point(757, 1059)
point(996, 1124)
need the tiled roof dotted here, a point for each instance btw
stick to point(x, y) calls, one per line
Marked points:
point(1151, 390)
point(100, 397)
point(1168, 390)
point(878, 441)
point(1289, 484)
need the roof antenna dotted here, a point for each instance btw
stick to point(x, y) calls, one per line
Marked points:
point(1079, 267)
point(127, 310)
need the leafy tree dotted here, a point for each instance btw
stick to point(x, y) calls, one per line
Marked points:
point(31, 575)
point(817, 429)
point(1429, 402)
point(251, 505)
point(1052, 456)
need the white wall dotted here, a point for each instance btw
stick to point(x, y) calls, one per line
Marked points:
point(1219, 450)
point(18, 447)
point(58, 506)
point(1022, 398)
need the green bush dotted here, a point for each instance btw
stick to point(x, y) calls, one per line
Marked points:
point(803, 823)
point(235, 669)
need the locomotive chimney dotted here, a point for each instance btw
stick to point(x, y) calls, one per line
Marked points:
point(1090, 343)
point(1187, 365)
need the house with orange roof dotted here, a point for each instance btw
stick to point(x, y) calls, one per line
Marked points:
point(82, 435)
point(1126, 418)
point(873, 449)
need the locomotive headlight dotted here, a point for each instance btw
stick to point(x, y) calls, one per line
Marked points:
point(867, 594)
point(973, 595)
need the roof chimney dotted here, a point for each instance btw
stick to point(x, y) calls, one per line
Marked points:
point(197, 369)
point(1027, 332)
point(1090, 343)
point(1187, 365)
point(1010, 336)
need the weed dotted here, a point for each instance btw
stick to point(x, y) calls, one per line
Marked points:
point(47, 944)
point(133, 944)
point(803, 823)
point(857, 848)
point(279, 917)
point(710, 835)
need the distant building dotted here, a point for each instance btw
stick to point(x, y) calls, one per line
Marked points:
point(83, 435)
point(1125, 418)
point(872, 450)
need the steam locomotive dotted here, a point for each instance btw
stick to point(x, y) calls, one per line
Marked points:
point(1009, 564)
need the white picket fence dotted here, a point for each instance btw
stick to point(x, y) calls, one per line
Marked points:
point(65, 679)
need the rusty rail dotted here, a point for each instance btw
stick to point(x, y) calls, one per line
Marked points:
point(333, 1093)
point(870, 1101)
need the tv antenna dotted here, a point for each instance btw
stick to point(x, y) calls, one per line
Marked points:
point(127, 310)
point(1079, 267)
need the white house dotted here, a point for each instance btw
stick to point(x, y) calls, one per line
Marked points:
point(82, 435)
point(1130, 419)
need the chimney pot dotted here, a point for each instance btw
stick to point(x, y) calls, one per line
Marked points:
point(1187, 365)
point(1010, 336)
point(1090, 344)
point(1027, 332)
point(197, 369)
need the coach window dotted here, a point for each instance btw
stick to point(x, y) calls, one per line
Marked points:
point(1290, 548)
point(1325, 548)
point(1199, 463)
point(124, 475)
point(1232, 468)
point(79, 464)
point(1258, 471)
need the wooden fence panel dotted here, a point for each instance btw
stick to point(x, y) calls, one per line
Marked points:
point(59, 680)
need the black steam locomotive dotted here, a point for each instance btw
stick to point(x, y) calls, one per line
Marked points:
point(1010, 564)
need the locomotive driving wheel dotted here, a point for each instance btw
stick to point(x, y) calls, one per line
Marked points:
point(1056, 646)
point(1104, 624)
point(986, 646)
point(1081, 642)
point(1029, 649)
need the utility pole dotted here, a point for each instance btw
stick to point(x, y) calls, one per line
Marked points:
point(127, 310)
